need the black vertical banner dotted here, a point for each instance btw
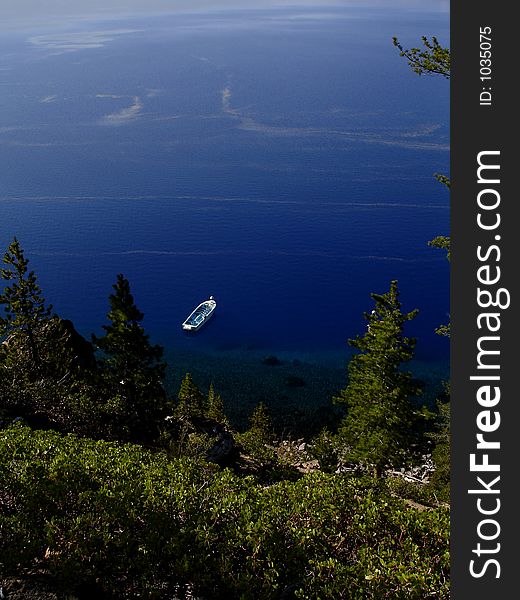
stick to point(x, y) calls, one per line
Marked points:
point(485, 302)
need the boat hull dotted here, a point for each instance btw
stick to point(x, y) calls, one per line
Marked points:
point(200, 316)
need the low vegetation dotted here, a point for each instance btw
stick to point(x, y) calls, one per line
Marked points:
point(110, 487)
point(129, 522)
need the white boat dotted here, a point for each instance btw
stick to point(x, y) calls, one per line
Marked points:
point(200, 315)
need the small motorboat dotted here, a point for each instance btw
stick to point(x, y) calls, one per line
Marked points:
point(200, 315)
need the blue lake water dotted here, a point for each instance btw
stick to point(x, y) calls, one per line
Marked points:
point(281, 161)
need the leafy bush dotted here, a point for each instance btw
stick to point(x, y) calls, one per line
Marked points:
point(140, 525)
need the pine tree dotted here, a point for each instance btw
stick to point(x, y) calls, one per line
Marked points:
point(24, 306)
point(257, 440)
point(132, 367)
point(40, 359)
point(441, 455)
point(260, 423)
point(192, 402)
point(378, 429)
point(432, 59)
point(215, 408)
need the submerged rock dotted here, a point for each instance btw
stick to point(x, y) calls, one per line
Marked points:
point(294, 381)
point(271, 361)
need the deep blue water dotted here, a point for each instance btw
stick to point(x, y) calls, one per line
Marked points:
point(281, 161)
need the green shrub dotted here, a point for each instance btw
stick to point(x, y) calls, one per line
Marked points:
point(138, 524)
